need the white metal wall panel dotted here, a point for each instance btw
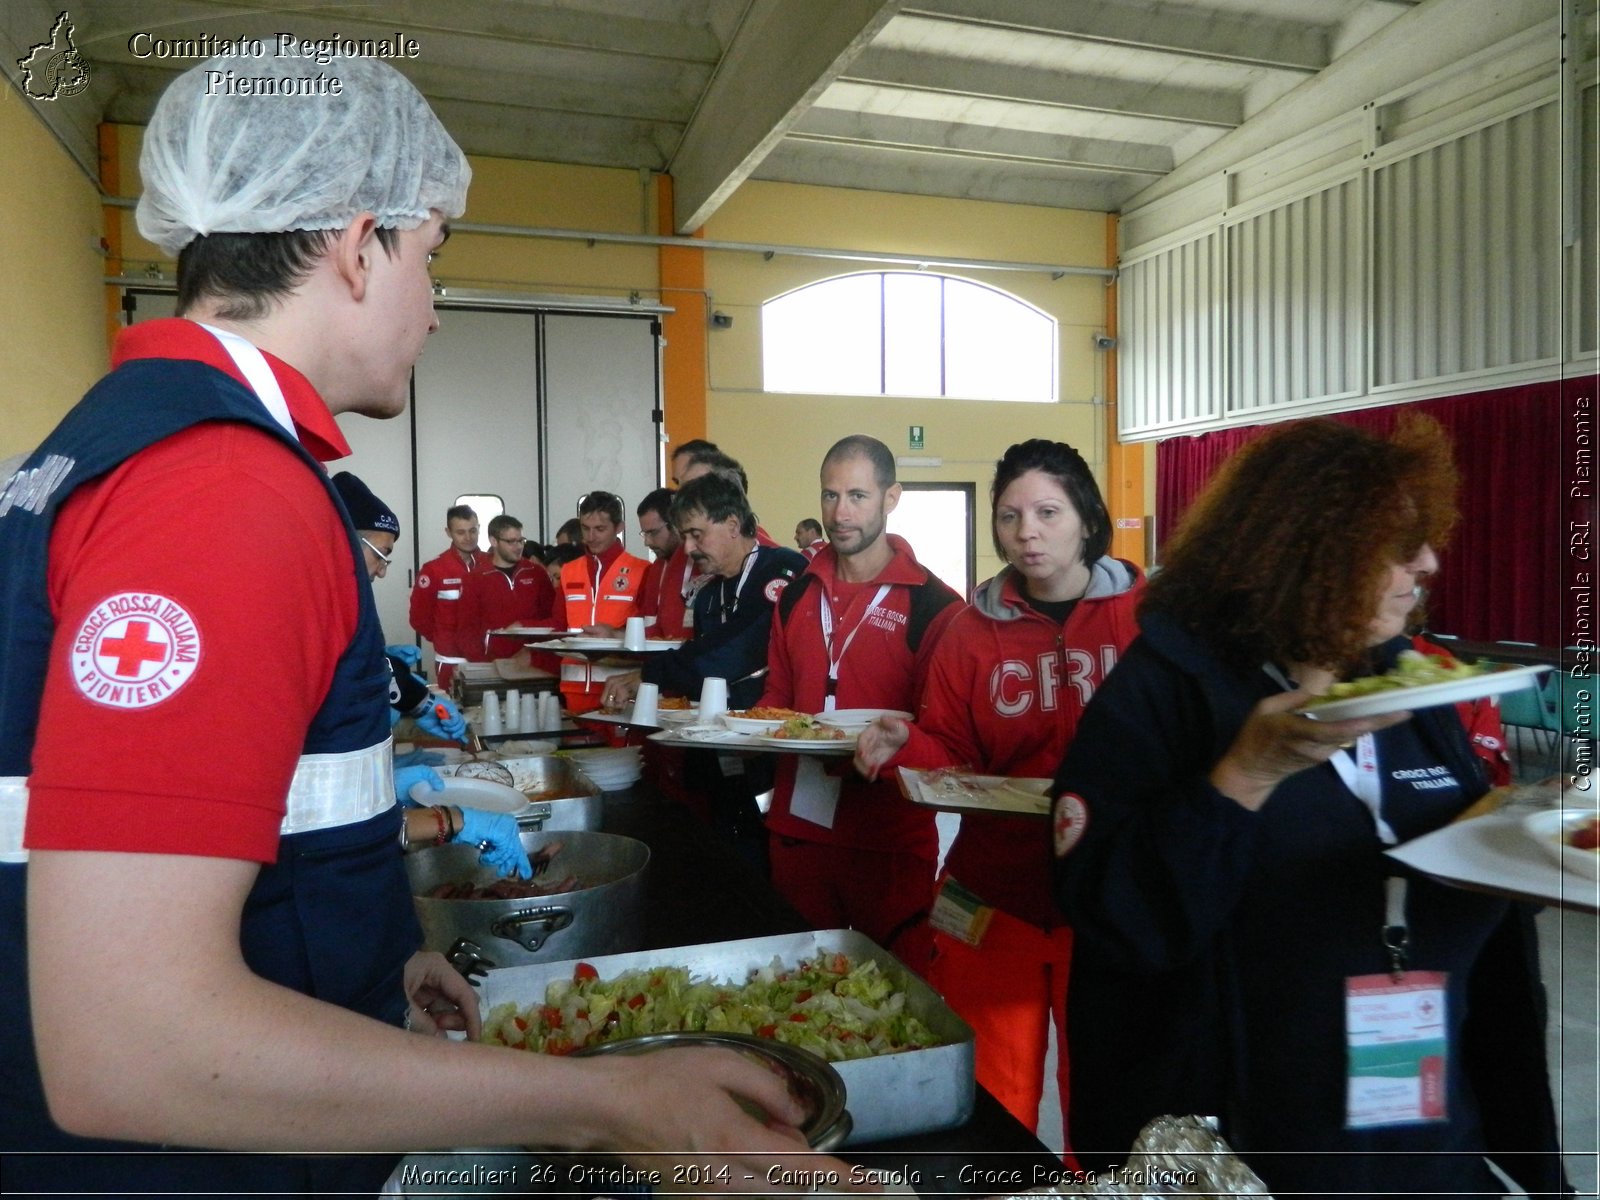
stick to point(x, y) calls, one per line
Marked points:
point(1586, 269)
point(600, 397)
point(1295, 301)
point(1467, 252)
point(1169, 317)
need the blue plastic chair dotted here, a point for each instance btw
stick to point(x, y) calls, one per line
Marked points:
point(1570, 702)
point(1529, 709)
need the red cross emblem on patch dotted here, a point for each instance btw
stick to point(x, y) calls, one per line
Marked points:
point(774, 589)
point(135, 649)
point(1071, 819)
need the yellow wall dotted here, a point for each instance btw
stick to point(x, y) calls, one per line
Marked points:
point(52, 343)
point(506, 192)
point(781, 439)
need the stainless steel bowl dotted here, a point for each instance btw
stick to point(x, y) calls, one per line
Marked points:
point(812, 1081)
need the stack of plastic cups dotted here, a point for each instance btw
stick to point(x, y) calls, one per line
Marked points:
point(492, 722)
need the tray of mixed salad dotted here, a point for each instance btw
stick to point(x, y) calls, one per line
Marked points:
point(905, 1057)
point(1419, 681)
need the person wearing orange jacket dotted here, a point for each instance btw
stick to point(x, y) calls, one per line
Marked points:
point(599, 592)
point(436, 598)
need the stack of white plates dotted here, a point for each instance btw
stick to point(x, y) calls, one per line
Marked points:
point(610, 768)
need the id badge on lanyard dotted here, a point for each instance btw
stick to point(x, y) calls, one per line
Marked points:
point(1397, 1043)
point(831, 699)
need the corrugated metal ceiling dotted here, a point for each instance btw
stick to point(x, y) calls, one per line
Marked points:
point(1066, 103)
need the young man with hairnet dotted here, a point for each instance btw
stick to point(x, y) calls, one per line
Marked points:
point(206, 934)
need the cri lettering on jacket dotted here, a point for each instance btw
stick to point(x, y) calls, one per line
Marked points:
point(1016, 686)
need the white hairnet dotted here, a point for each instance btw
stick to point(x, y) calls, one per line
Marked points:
point(215, 161)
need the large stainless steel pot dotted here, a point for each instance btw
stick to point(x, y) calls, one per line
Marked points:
point(604, 915)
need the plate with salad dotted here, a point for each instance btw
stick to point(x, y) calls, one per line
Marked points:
point(805, 729)
point(1419, 681)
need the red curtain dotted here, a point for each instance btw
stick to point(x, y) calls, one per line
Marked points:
point(1505, 571)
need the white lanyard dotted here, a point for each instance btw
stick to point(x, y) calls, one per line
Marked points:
point(724, 611)
point(829, 704)
point(1360, 775)
point(253, 366)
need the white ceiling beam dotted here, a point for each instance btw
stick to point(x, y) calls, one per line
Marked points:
point(1191, 32)
point(499, 127)
point(1034, 85)
point(1432, 36)
point(661, 34)
point(1001, 147)
point(880, 170)
point(782, 58)
point(550, 97)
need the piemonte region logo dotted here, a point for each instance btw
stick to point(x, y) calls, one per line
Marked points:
point(53, 69)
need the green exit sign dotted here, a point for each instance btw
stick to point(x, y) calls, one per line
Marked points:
point(916, 440)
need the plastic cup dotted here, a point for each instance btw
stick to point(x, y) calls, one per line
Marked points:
point(633, 634)
point(492, 721)
point(713, 698)
point(644, 704)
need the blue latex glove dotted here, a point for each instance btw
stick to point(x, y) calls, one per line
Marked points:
point(406, 778)
point(410, 655)
point(497, 836)
point(418, 758)
point(452, 726)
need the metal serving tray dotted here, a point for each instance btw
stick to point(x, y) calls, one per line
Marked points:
point(567, 800)
point(892, 1095)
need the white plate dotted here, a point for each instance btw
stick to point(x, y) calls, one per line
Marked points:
point(515, 630)
point(1549, 830)
point(750, 725)
point(857, 719)
point(1428, 695)
point(472, 793)
point(677, 716)
point(789, 743)
point(590, 643)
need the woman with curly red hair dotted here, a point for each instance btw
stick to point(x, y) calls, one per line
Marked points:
point(1220, 854)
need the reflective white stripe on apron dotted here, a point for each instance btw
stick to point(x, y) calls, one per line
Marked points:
point(328, 790)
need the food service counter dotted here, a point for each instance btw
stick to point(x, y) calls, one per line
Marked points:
point(698, 890)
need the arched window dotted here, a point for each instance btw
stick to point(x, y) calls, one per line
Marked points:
point(907, 333)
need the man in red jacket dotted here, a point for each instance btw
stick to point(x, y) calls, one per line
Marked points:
point(856, 631)
point(506, 590)
point(436, 598)
point(664, 598)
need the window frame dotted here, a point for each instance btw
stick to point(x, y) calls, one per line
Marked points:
point(1052, 364)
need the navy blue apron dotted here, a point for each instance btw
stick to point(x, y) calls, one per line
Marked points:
point(332, 918)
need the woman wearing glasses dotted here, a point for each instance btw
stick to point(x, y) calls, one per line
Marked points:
point(495, 834)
